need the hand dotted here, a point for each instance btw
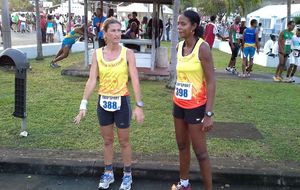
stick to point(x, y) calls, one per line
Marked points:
point(138, 114)
point(80, 116)
point(232, 47)
point(207, 124)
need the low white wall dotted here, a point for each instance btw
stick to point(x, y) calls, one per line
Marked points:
point(48, 49)
point(259, 59)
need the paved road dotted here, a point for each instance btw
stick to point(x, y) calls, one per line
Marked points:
point(42, 182)
point(23, 38)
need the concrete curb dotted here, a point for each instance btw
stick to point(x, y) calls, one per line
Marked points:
point(162, 167)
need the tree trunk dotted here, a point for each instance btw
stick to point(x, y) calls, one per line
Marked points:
point(39, 46)
point(288, 18)
point(174, 41)
point(6, 25)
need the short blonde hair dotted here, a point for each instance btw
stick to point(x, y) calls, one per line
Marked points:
point(110, 21)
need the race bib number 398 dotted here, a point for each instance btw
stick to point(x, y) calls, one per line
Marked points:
point(183, 90)
point(110, 103)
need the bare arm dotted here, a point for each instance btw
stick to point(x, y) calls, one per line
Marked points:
point(281, 43)
point(205, 57)
point(134, 75)
point(89, 88)
point(138, 111)
point(257, 42)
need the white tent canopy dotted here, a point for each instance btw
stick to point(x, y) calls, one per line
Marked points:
point(279, 11)
point(142, 8)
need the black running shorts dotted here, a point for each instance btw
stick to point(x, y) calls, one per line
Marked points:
point(120, 117)
point(190, 116)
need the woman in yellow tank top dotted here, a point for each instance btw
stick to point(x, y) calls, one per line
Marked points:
point(193, 98)
point(112, 64)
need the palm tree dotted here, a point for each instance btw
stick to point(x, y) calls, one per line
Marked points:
point(39, 46)
point(288, 10)
point(5, 24)
point(174, 41)
point(242, 6)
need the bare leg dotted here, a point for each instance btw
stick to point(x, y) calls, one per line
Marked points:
point(281, 65)
point(198, 138)
point(65, 54)
point(183, 143)
point(107, 134)
point(123, 135)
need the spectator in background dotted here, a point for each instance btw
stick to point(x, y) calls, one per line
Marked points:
point(98, 24)
point(143, 29)
point(242, 28)
point(22, 21)
point(129, 16)
point(260, 31)
point(284, 49)
point(134, 19)
point(50, 29)
point(269, 48)
point(124, 24)
point(168, 28)
point(130, 34)
point(60, 27)
point(110, 13)
point(158, 31)
point(211, 32)
point(43, 22)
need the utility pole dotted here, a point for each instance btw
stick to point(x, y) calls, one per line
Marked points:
point(39, 46)
point(288, 18)
point(6, 25)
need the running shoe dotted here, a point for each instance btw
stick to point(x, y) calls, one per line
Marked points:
point(54, 65)
point(181, 187)
point(277, 79)
point(228, 69)
point(105, 180)
point(242, 75)
point(234, 71)
point(287, 80)
point(248, 74)
point(126, 182)
point(292, 79)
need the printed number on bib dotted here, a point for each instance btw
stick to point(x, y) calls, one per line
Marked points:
point(183, 90)
point(288, 42)
point(296, 53)
point(110, 103)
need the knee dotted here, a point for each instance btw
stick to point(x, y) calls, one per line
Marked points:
point(183, 146)
point(108, 141)
point(201, 156)
point(124, 142)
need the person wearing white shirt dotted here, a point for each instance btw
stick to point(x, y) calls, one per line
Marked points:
point(260, 32)
point(269, 46)
point(294, 57)
point(60, 28)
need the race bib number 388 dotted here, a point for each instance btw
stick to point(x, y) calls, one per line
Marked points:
point(110, 103)
point(183, 90)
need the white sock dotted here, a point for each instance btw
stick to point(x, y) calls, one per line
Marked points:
point(184, 182)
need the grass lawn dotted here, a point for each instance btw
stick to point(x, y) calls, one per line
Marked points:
point(53, 101)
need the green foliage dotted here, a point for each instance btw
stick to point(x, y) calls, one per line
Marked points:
point(20, 5)
point(213, 7)
point(297, 19)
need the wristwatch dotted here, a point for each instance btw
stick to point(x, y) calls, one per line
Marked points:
point(209, 113)
point(140, 104)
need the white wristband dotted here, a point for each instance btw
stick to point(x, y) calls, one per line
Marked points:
point(83, 105)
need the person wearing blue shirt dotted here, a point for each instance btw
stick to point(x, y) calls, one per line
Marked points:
point(250, 44)
point(97, 24)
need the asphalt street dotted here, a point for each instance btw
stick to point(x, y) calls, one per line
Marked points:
point(10, 181)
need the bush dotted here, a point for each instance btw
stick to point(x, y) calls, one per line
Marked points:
point(297, 20)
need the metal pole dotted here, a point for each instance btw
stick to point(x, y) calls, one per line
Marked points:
point(86, 52)
point(6, 25)
point(39, 46)
point(70, 16)
point(288, 11)
point(153, 48)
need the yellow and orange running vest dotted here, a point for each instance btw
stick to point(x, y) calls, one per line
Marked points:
point(113, 75)
point(190, 89)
